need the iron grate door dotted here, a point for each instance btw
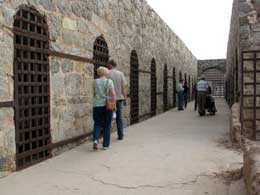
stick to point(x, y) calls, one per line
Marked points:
point(31, 87)
point(180, 76)
point(153, 88)
point(174, 87)
point(189, 84)
point(134, 88)
point(165, 89)
point(250, 99)
point(100, 54)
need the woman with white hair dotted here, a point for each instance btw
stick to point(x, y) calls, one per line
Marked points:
point(103, 88)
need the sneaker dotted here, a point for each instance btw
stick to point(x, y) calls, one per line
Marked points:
point(120, 138)
point(105, 148)
point(95, 145)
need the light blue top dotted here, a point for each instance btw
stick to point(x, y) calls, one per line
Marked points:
point(102, 87)
point(202, 85)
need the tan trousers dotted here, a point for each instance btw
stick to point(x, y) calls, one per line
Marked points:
point(201, 101)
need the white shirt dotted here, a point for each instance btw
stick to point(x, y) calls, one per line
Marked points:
point(202, 85)
point(180, 87)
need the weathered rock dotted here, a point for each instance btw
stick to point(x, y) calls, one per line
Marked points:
point(251, 169)
point(235, 125)
point(73, 84)
point(67, 66)
point(7, 140)
point(69, 24)
point(55, 67)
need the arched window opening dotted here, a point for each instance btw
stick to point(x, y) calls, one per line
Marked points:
point(185, 77)
point(31, 87)
point(190, 88)
point(100, 53)
point(165, 88)
point(134, 88)
point(153, 88)
point(180, 76)
point(174, 87)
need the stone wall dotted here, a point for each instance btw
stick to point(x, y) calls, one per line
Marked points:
point(204, 65)
point(244, 36)
point(235, 125)
point(74, 25)
point(251, 170)
point(71, 106)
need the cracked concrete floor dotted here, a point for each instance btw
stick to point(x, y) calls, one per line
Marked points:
point(176, 153)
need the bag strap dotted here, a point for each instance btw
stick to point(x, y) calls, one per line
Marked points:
point(106, 88)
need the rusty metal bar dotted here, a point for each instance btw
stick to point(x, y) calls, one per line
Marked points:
point(144, 71)
point(70, 140)
point(6, 104)
point(242, 94)
point(253, 61)
point(254, 109)
point(134, 88)
point(153, 88)
point(100, 53)
point(32, 88)
point(71, 57)
point(174, 87)
point(146, 115)
point(165, 88)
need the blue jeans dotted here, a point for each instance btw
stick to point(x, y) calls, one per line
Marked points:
point(186, 97)
point(180, 100)
point(102, 120)
point(119, 120)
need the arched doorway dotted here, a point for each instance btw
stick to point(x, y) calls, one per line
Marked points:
point(174, 87)
point(134, 88)
point(165, 88)
point(153, 88)
point(185, 77)
point(100, 53)
point(31, 87)
point(190, 88)
point(215, 77)
point(180, 76)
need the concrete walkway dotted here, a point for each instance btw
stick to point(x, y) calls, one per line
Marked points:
point(176, 153)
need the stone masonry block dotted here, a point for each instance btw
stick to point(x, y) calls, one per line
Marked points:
point(252, 167)
point(235, 125)
point(69, 23)
point(73, 84)
point(67, 66)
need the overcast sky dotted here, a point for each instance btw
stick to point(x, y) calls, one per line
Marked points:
point(203, 25)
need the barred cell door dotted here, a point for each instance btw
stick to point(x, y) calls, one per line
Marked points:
point(189, 84)
point(31, 87)
point(250, 94)
point(180, 76)
point(100, 53)
point(134, 88)
point(174, 87)
point(153, 88)
point(165, 88)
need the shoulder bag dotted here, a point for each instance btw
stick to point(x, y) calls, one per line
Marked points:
point(110, 103)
